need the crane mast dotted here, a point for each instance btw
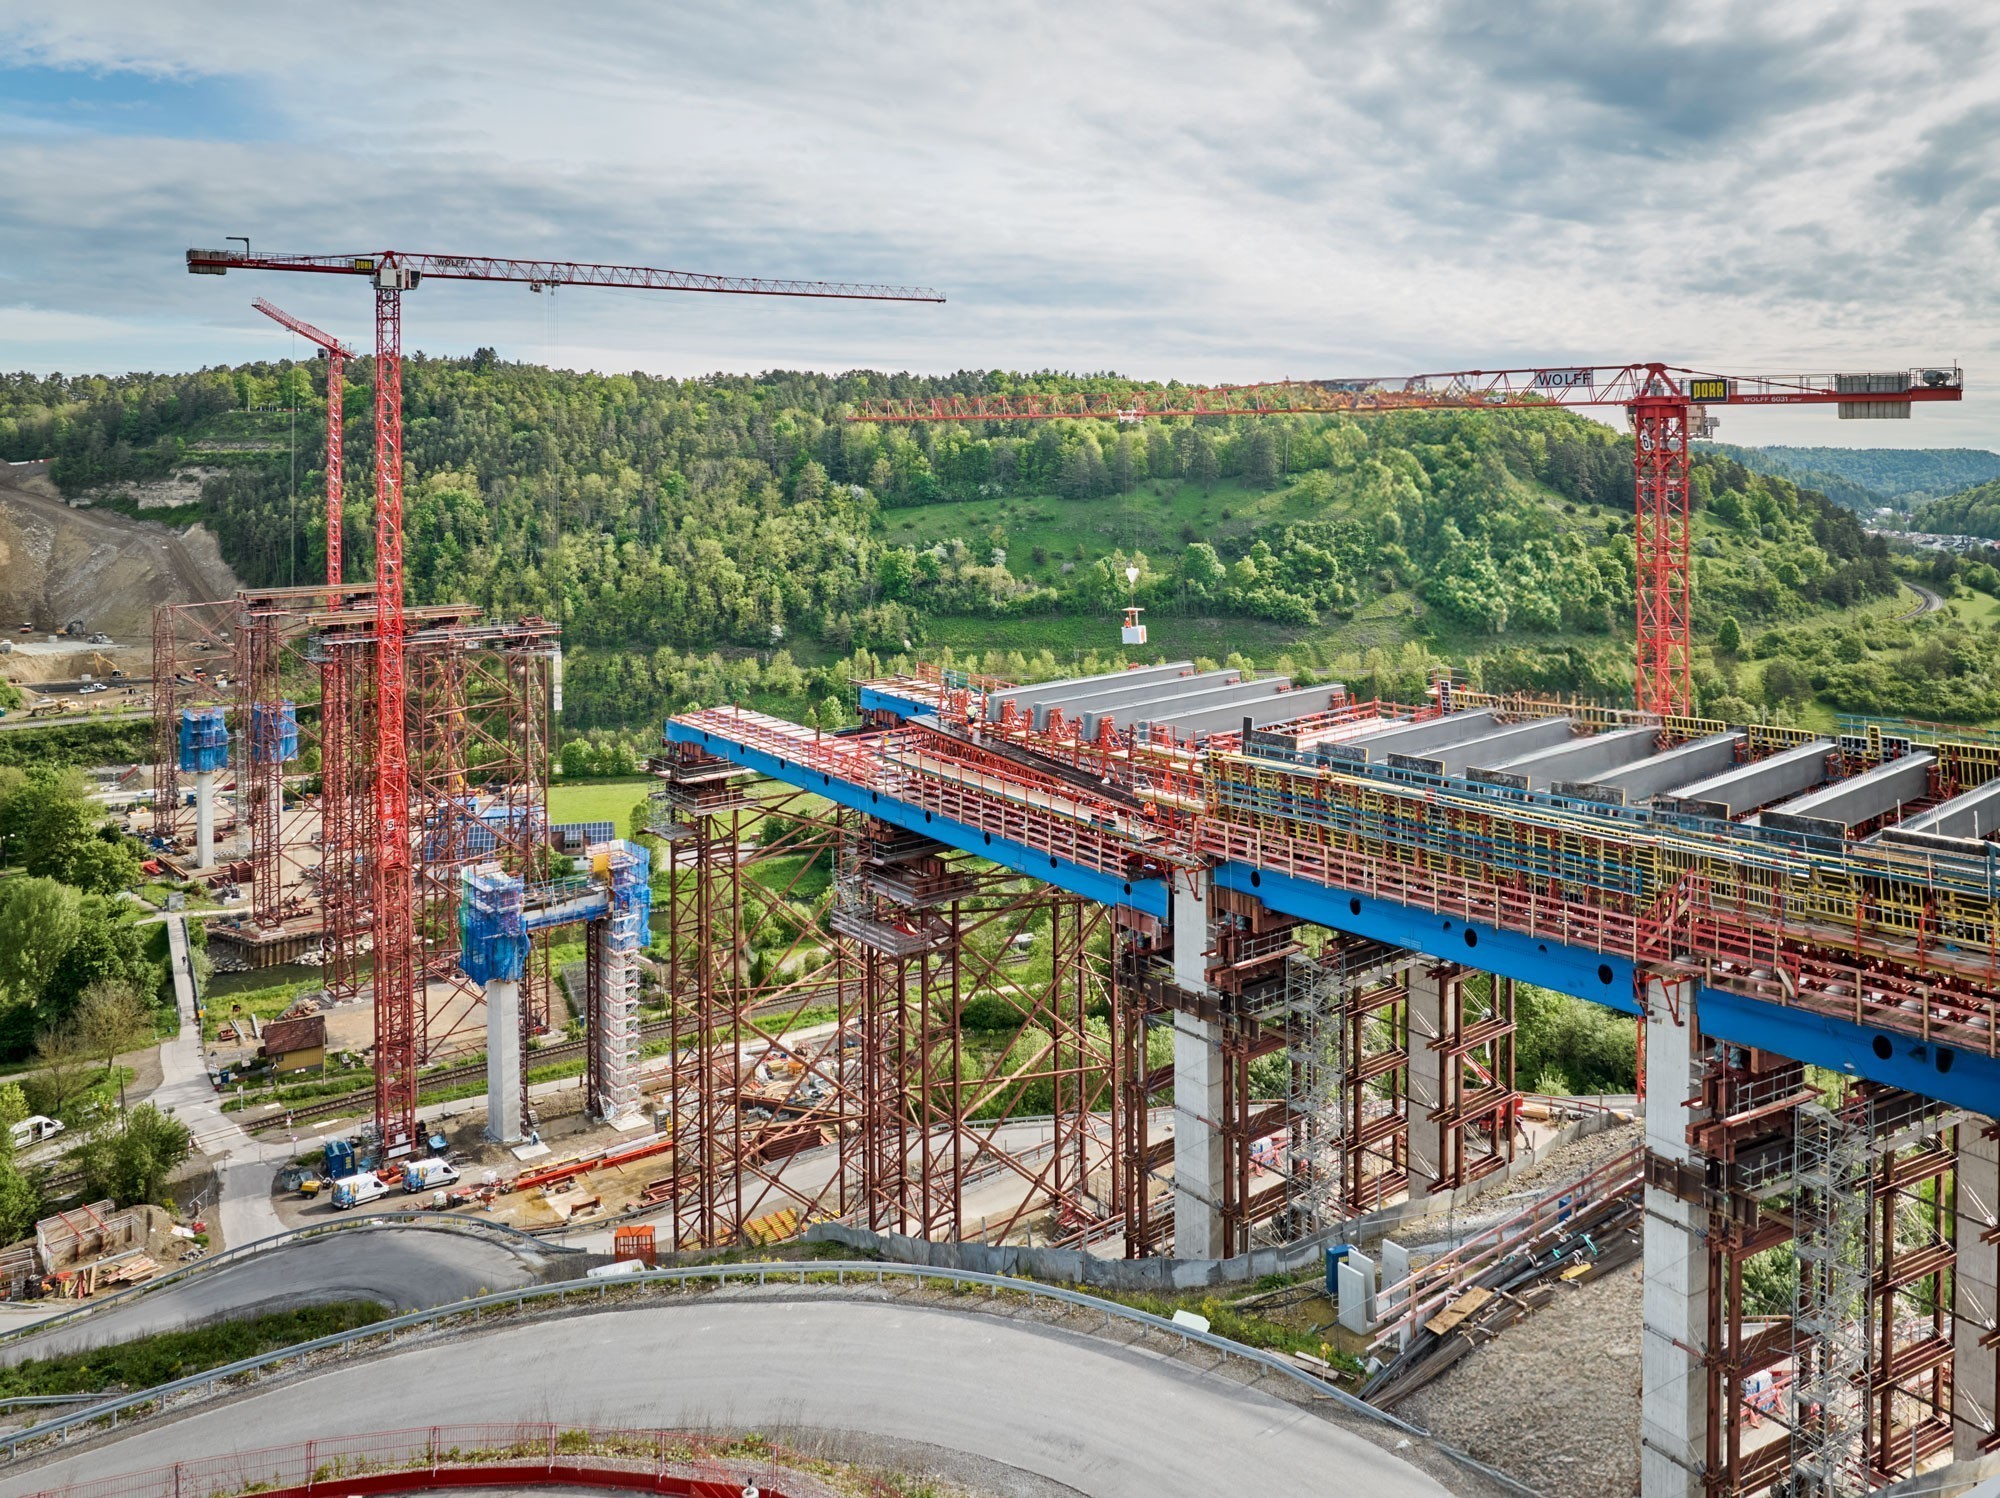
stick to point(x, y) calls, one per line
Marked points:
point(1666, 404)
point(391, 273)
point(337, 355)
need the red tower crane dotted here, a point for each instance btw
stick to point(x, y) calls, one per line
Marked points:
point(337, 355)
point(341, 819)
point(391, 273)
point(1666, 406)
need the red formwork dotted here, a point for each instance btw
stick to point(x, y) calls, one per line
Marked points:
point(1767, 953)
point(929, 772)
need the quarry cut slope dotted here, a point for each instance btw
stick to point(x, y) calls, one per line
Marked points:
point(58, 564)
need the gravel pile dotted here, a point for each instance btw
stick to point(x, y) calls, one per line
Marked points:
point(1554, 1401)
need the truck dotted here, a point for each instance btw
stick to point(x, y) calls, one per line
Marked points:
point(359, 1190)
point(428, 1175)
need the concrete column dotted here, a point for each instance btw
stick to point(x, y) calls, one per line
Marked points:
point(1976, 1303)
point(204, 819)
point(1198, 1156)
point(1428, 995)
point(1673, 1413)
point(503, 1060)
point(1355, 1280)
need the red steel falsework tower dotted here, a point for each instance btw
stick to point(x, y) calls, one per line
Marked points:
point(393, 887)
point(1663, 570)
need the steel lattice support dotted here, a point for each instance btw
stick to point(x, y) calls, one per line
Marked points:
point(1328, 1177)
point(943, 1093)
point(1144, 1087)
point(260, 773)
point(346, 745)
point(1664, 577)
point(1374, 1060)
point(1480, 1104)
point(479, 773)
point(393, 892)
point(762, 1006)
point(1911, 1261)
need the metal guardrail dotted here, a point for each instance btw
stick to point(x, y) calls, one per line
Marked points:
point(375, 1221)
point(838, 1272)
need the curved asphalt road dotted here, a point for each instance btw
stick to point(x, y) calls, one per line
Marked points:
point(407, 1269)
point(1119, 1422)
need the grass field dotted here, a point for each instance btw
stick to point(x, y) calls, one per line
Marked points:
point(598, 801)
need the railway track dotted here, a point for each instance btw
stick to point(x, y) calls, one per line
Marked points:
point(1928, 601)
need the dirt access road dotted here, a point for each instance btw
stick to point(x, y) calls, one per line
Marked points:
point(58, 564)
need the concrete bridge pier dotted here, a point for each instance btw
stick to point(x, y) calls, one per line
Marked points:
point(1429, 990)
point(1673, 1417)
point(503, 1060)
point(1976, 1296)
point(1198, 1064)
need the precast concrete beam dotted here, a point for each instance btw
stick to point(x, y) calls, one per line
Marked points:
point(1456, 759)
point(1658, 773)
point(1857, 799)
point(1080, 701)
point(1282, 708)
point(1167, 706)
point(1415, 738)
point(1973, 814)
point(1778, 777)
point(1050, 691)
point(1577, 759)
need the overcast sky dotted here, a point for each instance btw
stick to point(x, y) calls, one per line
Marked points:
point(1195, 191)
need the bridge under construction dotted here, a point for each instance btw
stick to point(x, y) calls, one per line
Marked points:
point(1805, 927)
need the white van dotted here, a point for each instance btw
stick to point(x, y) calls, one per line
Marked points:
point(428, 1175)
point(33, 1130)
point(358, 1191)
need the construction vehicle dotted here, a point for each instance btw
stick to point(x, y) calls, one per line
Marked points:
point(428, 1175)
point(359, 1190)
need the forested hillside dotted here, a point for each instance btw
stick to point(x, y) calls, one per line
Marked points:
point(1863, 478)
point(733, 537)
point(1971, 512)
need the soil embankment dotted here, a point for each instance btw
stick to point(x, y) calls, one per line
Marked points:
point(59, 564)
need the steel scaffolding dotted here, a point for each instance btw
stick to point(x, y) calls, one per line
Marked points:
point(1832, 1202)
point(1348, 1067)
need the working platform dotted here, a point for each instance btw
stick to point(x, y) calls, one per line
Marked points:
point(1572, 847)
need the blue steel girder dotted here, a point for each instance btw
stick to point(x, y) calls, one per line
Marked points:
point(877, 699)
point(1149, 895)
point(1967, 1079)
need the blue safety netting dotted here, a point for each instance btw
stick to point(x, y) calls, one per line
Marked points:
point(274, 732)
point(492, 928)
point(204, 740)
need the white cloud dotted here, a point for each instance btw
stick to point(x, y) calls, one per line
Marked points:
point(1207, 192)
